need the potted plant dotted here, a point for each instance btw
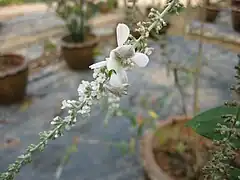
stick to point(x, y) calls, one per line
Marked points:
point(13, 78)
point(106, 6)
point(171, 152)
point(78, 46)
point(211, 11)
point(236, 15)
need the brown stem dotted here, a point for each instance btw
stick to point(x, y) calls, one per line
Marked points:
point(196, 85)
point(180, 89)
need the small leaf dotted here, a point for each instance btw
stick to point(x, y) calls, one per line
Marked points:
point(49, 46)
point(110, 72)
point(123, 146)
point(235, 174)
point(139, 119)
point(153, 114)
point(132, 145)
point(96, 52)
point(140, 130)
point(130, 116)
point(25, 105)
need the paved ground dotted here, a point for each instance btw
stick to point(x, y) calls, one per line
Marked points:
point(95, 161)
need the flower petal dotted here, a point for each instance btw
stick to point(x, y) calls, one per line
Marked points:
point(119, 79)
point(98, 65)
point(115, 80)
point(122, 33)
point(113, 64)
point(140, 59)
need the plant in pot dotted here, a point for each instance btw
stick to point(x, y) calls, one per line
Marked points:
point(78, 46)
point(106, 6)
point(13, 78)
point(236, 15)
point(211, 11)
point(221, 126)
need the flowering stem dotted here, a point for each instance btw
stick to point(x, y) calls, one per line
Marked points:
point(163, 13)
point(89, 92)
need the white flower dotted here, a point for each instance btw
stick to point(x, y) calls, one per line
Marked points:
point(121, 57)
point(66, 104)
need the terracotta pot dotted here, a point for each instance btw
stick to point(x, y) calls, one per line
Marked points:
point(236, 3)
point(236, 15)
point(236, 20)
point(13, 78)
point(79, 56)
point(211, 13)
point(104, 8)
point(152, 169)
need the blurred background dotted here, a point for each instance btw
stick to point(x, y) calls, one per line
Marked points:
point(46, 48)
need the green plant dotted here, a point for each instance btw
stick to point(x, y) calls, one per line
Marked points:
point(76, 15)
point(110, 3)
point(222, 126)
point(8, 2)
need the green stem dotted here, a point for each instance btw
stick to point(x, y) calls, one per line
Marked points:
point(82, 25)
point(163, 13)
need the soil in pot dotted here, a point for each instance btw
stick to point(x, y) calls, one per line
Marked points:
point(211, 13)
point(175, 151)
point(236, 20)
point(236, 15)
point(13, 78)
point(79, 56)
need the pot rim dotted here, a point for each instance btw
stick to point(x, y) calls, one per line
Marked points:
point(89, 43)
point(13, 71)
point(153, 170)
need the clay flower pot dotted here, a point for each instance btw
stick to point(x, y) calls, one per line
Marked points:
point(152, 170)
point(13, 78)
point(79, 56)
point(236, 20)
point(236, 15)
point(104, 8)
point(211, 13)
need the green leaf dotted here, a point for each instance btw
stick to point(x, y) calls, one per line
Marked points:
point(110, 72)
point(140, 130)
point(235, 174)
point(205, 123)
point(132, 119)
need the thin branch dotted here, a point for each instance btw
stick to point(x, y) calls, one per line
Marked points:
point(181, 91)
